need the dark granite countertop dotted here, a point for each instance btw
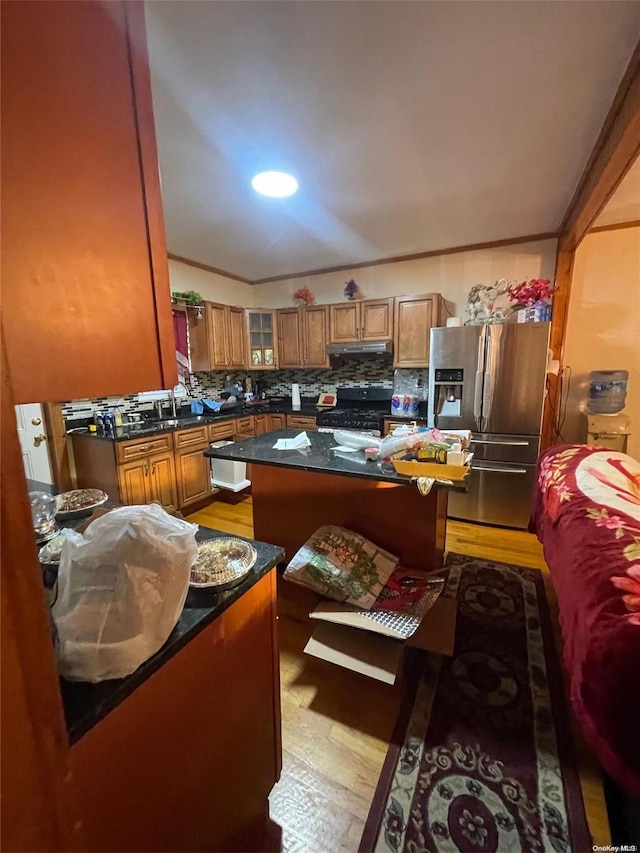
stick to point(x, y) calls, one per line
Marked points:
point(318, 457)
point(86, 704)
point(146, 428)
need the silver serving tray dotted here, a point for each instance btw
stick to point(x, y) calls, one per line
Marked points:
point(85, 510)
point(238, 568)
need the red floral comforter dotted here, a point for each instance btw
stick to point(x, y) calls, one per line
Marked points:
point(587, 516)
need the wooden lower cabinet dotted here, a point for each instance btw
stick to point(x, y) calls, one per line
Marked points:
point(301, 422)
point(192, 475)
point(133, 478)
point(389, 426)
point(276, 422)
point(187, 761)
point(151, 478)
point(163, 480)
point(170, 467)
point(245, 428)
point(222, 429)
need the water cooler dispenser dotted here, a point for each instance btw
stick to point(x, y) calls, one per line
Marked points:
point(606, 425)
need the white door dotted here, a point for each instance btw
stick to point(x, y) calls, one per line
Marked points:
point(33, 443)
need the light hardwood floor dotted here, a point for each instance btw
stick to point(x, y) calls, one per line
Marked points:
point(336, 724)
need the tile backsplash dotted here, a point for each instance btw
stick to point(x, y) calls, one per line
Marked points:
point(365, 372)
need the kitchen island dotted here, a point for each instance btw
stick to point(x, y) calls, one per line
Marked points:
point(297, 491)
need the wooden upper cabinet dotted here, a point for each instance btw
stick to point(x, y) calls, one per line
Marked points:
point(376, 322)
point(344, 322)
point(84, 259)
point(414, 318)
point(236, 336)
point(217, 330)
point(289, 337)
point(371, 320)
point(199, 356)
point(262, 339)
point(315, 323)
point(226, 335)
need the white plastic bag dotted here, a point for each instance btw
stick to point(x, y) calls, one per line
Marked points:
point(121, 590)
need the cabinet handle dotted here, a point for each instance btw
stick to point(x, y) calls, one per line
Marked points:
point(153, 467)
point(146, 469)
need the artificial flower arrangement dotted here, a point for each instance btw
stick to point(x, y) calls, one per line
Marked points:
point(536, 290)
point(304, 296)
point(351, 289)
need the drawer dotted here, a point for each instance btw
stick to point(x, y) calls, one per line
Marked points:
point(301, 422)
point(244, 425)
point(191, 437)
point(389, 426)
point(221, 429)
point(143, 447)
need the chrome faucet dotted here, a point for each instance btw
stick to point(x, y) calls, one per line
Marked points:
point(172, 395)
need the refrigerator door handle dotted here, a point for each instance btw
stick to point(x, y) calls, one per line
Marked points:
point(477, 395)
point(477, 398)
point(487, 396)
point(508, 443)
point(478, 466)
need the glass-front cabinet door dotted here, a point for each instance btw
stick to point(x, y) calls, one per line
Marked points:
point(263, 346)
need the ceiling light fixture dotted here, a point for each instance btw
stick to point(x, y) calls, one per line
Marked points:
point(274, 184)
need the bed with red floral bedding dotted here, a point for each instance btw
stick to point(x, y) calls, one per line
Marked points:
point(587, 516)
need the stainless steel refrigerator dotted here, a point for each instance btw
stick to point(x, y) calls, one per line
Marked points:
point(491, 379)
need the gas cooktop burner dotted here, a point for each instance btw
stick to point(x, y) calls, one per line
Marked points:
point(352, 419)
point(356, 410)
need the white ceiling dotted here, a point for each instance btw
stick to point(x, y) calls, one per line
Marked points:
point(411, 126)
point(624, 204)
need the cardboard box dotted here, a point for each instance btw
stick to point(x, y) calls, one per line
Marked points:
point(360, 650)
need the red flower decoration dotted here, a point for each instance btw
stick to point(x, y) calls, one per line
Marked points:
point(532, 291)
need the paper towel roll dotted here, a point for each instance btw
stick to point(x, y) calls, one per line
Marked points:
point(295, 397)
point(454, 321)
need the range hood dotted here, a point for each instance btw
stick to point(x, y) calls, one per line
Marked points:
point(360, 348)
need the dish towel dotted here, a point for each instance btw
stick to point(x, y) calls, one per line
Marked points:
point(199, 407)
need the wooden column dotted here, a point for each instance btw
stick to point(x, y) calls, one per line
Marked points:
point(615, 151)
point(57, 445)
point(38, 811)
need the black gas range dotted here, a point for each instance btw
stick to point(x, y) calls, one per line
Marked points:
point(358, 408)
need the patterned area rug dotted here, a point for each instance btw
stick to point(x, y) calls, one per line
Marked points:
point(482, 758)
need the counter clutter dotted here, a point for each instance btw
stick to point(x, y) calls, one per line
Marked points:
point(85, 704)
